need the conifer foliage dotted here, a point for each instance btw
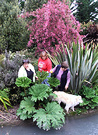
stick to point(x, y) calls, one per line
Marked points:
point(86, 10)
point(52, 24)
point(13, 33)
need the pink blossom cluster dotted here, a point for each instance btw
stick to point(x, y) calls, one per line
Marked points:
point(53, 24)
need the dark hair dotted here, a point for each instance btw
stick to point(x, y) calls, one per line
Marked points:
point(43, 53)
point(25, 61)
point(64, 64)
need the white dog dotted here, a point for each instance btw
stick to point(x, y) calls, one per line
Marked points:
point(68, 99)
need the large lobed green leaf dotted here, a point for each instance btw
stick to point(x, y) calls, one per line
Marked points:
point(39, 92)
point(26, 108)
point(54, 82)
point(23, 82)
point(41, 76)
point(51, 116)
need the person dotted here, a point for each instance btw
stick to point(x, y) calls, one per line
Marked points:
point(27, 70)
point(62, 73)
point(44, 64)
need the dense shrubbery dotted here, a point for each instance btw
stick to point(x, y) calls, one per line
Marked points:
point(86, 10)
point(9, 66)
point(91, 38)
point(35, 100)
point(13, 33)
point(84, 27)
point(9, 69)
point(90, 97)
point(52, 24)
point(32, 5)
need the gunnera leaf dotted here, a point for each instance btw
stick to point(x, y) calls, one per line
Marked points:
point(41, 76)
point(23, 82)
point(26, 108)
point(51, 116)
point(54, 82)
point(39, 92)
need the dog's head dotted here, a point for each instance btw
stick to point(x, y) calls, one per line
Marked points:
point(55, 92)
point(54, 97)
point(79, 99)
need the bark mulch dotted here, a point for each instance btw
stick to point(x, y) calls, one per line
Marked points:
point(9, 117)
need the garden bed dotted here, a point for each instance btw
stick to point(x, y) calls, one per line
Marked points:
point(10, 118)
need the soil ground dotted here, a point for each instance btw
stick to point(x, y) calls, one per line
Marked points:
point(9, 117)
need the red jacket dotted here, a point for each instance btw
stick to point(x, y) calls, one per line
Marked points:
point(44, 65)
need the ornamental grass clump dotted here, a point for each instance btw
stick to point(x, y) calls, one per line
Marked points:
point(4, 98)
point(82, 63)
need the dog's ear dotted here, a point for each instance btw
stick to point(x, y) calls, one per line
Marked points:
point(79, 96)
point(55, 92)
point(80, 99)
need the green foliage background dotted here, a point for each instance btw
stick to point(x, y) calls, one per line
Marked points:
point(90, 97)
point(14, 35)
point(86, 10)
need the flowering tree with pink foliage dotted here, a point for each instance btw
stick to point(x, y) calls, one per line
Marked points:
point(53, 24)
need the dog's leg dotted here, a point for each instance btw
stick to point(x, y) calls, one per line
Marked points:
point(56, 99)
point(59, 101)
point(67, 108)
point(72, 107)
